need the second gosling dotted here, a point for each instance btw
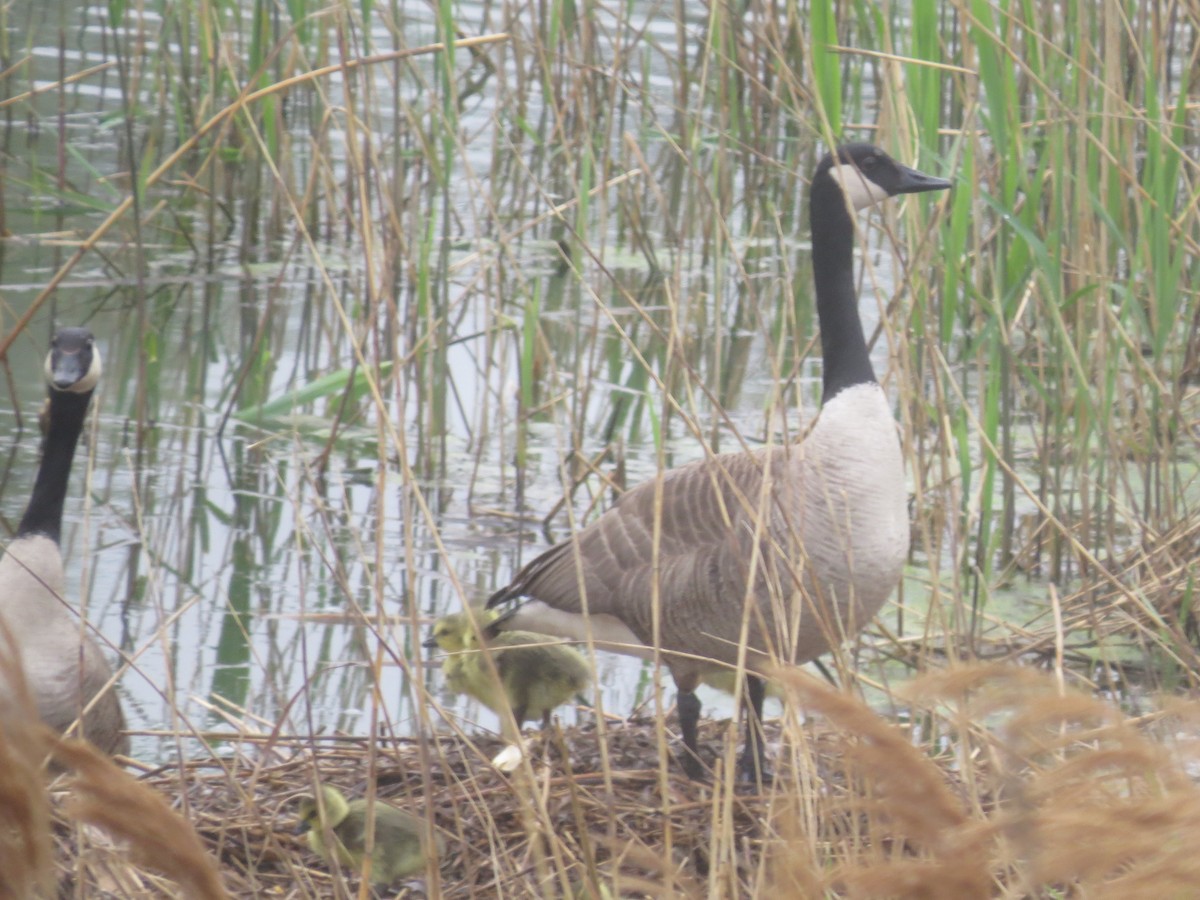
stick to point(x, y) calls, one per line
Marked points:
point(398, 849)
point(534, 673)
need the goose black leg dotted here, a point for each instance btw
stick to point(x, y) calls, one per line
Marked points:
point(752, 767)
point(688, 705)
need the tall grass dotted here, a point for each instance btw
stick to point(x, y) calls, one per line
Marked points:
point(379, 322)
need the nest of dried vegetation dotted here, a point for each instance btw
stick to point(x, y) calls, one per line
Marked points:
point(493, 824)
point(1059, 794)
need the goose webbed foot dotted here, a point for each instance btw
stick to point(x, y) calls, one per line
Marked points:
point(753, 769)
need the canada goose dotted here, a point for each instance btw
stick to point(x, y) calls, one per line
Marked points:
point(64, 668)
point(536, 673)
point(398, 849)
point(800, 544)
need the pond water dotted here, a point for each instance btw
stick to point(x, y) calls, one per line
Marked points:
point(278, 574)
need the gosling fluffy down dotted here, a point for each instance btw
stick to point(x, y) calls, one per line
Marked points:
point(399, 850)
point(534, 674)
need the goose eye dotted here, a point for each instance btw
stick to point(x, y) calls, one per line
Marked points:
point(868, 163)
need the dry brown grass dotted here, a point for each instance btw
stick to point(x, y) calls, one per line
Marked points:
point(1149, 597)
point(155, 837)
point(1059, 795)
point(96, 793)
point(1085, 800)
point(1017, 788)
point(994, 782)
point(25, 853)
point(907, 798)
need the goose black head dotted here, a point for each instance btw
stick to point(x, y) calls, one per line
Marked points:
point(73, 363)
point(867, 175)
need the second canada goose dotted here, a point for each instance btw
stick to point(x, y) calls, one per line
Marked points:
point(536, 673)
point(787, 550)
point(398, 849)
point(64, 668)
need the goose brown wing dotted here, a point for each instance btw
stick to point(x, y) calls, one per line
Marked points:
point(705, 514)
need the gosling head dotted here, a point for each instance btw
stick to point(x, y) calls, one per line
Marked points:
point(455, 632)
point(449, 633)
point(73, 363)
point(867, 175)
point(309, 811)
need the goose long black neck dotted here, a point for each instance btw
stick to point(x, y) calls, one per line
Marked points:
point(44, 514)
point(843, 345)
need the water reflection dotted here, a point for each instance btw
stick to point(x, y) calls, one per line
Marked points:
point(275, 574)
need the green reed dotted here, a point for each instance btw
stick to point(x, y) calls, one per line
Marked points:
point(1031, 323)
point(1039, 321)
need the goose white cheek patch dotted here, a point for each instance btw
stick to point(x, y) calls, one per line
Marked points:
point(861, 191)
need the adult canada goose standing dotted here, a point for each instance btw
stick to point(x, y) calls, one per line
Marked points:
point(64, 668)
point(796, 546)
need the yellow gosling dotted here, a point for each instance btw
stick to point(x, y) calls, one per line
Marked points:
point(399, 849)
point(533, 673)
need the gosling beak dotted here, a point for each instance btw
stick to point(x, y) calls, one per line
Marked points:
point(302, 827)
point(430, 643)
